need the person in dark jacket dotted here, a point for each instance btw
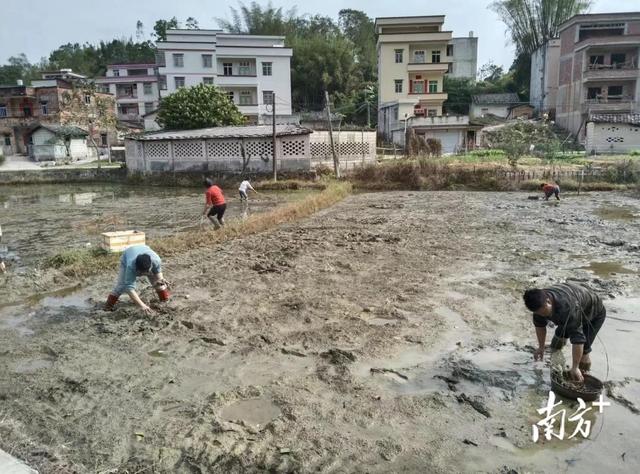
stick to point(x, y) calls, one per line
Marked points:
point(578, 314)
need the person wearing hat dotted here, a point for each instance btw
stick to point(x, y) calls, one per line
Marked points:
point(137, 261)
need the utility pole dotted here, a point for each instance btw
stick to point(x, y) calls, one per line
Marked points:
point(368, 114)
point(336, 164)
point(273, 118)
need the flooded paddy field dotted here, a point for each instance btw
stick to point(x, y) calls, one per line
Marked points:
point(385, 334)
point(39, 221)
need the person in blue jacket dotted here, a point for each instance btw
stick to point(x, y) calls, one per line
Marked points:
point(137, 261)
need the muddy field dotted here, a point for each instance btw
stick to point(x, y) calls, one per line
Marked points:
point(39, 221)
point(385, 334)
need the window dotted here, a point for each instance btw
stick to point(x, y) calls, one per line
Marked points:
point(449, 50)
point(435, 56)
point(178, 60)
point(398, 83)
point(7, 140)
point(231, 95)
point(245, 68)
point(267, 69)
point(207, 61)
point(267, 97)
point(418, 87)
point(615, 91)
point(418, 57)
point(148, 107)
point(26, 111)
point(484, 110)
point(44, 108)
point(449, 68)
point(596, 59)
point(3, 110)
point(87, 99)
point(399, 55)
point(148, 89)
point(245, 97)
point(432, 112)
point(227, 69)
point(116, 73)
point(618, 60)
point(103, 139)
point(179, 82)
point(594, 92)
point(433, 87)
point(207, 80)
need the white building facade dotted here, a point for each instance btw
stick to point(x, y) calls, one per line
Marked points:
point(250, 69)
point(135, 87)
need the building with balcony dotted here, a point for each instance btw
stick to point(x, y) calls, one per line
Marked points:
point(414, 55)
point(249, 68)
point(135, 88)
point(60, 98)
point(598, 79)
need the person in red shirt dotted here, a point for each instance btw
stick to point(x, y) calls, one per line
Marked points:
point(214, 205)
point(549, 189)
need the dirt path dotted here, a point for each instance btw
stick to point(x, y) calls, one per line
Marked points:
point(385, 334)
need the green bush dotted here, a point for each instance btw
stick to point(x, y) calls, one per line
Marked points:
point(631, 153)
point(493, 152)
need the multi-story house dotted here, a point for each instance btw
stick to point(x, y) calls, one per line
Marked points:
point(250, 69)
point(135, 88)
point(414, 55)
point(598, 80)
point(60, 98)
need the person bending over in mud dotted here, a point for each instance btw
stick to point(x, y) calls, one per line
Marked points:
point(549, 189)
point(245, 186)
point(578, 314)
point(215, 204)
point(136, 261)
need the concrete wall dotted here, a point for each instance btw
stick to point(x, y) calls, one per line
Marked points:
point(219, 155)
point(612, 137)
point(352, 147)
point(465, 57)
point(478, 110)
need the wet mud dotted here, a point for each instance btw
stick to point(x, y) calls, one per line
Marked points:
point(385, 334)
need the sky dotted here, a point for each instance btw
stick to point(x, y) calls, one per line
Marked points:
point(37, 27)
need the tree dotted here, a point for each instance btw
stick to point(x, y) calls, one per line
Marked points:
point(192, 24)
point(360, 29)
point(19, 67)
point(257, 20)
point(532, 23)
point(161, 26)
point(201, 106)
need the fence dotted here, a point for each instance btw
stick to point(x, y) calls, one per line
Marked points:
point(353, 148)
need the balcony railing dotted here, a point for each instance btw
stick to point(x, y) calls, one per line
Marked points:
point(611, 104)
point(129, 116)
point(123, 95)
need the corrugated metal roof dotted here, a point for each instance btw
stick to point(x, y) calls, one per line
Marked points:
point(249, 131)
point(633, 119)
point(508, 98)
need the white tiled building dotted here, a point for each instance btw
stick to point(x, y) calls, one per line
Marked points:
point(135, 87)
point(249, 68)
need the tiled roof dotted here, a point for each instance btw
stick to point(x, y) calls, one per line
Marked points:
point(70, 130)
point(249, 131)
point(615, 118)
point(496, 99)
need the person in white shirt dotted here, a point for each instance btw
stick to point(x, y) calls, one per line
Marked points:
point(244, 187)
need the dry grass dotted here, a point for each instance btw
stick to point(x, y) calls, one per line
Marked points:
point(84, 262)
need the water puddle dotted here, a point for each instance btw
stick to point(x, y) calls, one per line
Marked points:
point(256, 412)
point(160, 353)
point(60, 305)
point(32, 365)
point(624, 213)
point(607, 269)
